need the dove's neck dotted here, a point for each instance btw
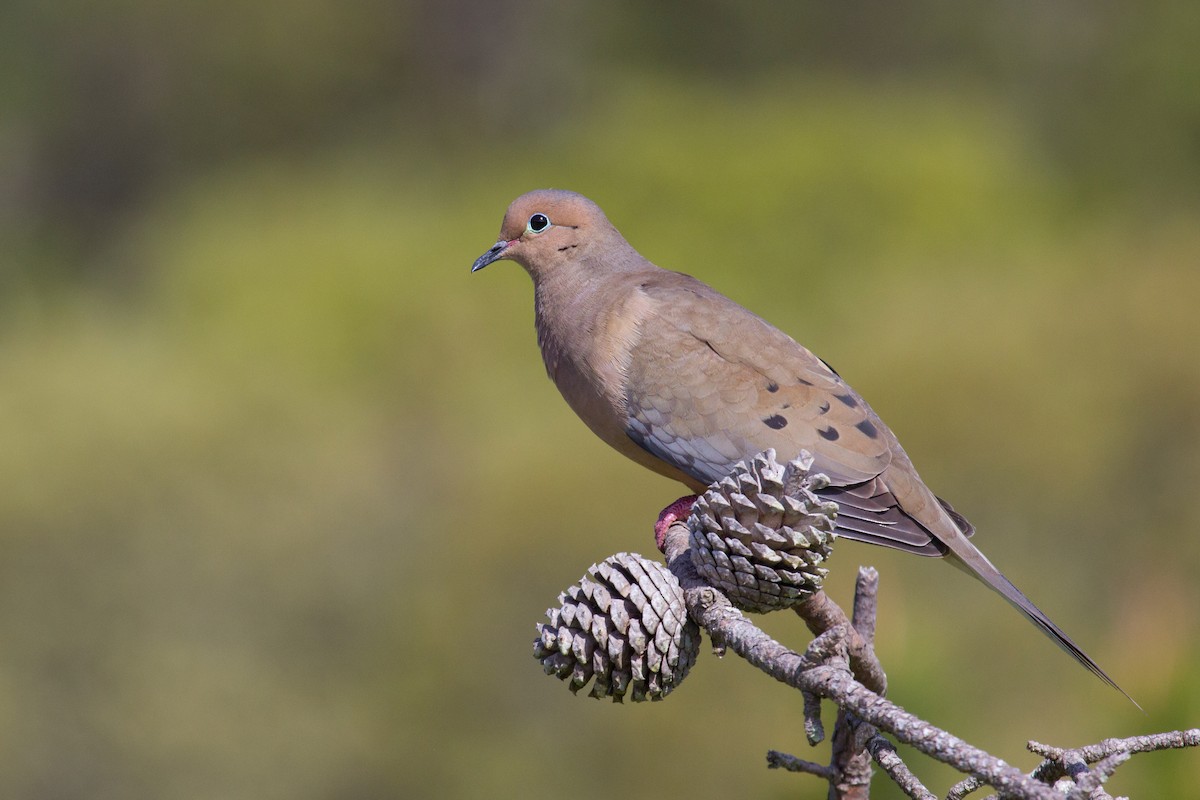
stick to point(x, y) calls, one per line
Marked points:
point(580, 303)
point(588, 319)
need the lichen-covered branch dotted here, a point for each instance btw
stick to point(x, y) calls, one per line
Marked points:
point(1106, 756)
point(849, 756)
point(1054, 767)
point(730, 628)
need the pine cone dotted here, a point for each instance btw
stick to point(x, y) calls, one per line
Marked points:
point(625, 626)
point(760, 533)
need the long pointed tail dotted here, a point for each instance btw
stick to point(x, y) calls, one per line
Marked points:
point(967, 557)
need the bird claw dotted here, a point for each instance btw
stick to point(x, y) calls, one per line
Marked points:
point(679, 510)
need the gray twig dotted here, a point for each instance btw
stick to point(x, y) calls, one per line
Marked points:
point(964, 787)
point(814, 731)
point(885, 755)
point(778, 760)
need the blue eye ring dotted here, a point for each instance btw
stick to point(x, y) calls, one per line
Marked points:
point(537, 223)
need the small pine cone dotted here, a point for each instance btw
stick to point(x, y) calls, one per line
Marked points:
point(760, 534)
point(623, 626)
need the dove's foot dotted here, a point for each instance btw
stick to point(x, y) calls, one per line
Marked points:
point(678, 510)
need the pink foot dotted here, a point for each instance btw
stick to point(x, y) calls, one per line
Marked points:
point(678, 510)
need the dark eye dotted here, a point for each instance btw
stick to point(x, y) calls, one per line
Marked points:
point(538, 223)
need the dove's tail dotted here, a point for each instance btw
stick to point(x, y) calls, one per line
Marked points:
point(967, 557)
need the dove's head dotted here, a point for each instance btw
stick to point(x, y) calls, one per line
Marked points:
point(547, 228)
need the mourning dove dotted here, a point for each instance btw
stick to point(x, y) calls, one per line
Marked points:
point(686, 382)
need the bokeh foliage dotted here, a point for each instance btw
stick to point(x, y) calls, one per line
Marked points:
point(285, 490)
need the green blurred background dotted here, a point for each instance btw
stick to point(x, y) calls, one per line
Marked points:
point(285, 490)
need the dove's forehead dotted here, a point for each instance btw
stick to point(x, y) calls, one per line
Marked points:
point(562, 208)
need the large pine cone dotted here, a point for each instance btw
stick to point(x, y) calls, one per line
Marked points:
point(760, 534)
point(625, 627)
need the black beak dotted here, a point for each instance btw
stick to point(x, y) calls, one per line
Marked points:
point(494, 253)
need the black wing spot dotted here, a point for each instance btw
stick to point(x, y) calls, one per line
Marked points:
point(775, 421)
point(772, 387)
point(829, 433)
point(786, 405)
point(823, 408)
point(867, 428)
point(848, 399)
point(803, 382)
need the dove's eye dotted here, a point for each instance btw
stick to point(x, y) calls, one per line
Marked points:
point(538, 223)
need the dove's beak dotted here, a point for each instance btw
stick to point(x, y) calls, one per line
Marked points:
point(494, 253)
